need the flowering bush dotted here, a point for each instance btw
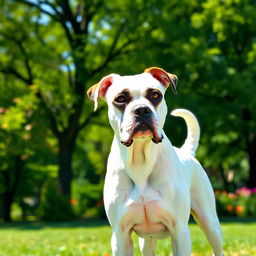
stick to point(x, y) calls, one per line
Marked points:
point(242, 202)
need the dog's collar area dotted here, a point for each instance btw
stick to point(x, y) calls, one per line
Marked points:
point(154, 139)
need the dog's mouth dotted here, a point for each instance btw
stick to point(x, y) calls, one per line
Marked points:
point(143, 130)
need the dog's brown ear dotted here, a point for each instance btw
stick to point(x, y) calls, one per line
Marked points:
point(163, 77)
point(100, 89)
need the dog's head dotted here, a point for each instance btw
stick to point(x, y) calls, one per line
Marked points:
point(136, 105)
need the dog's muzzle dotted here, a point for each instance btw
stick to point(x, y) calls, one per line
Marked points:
point(143, 124)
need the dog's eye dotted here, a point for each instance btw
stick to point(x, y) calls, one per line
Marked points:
point(155, 95)
point(120, 99)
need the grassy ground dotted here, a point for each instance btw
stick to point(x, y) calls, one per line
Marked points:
point(92, 238)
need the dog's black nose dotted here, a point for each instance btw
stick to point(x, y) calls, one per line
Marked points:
point(142, 111)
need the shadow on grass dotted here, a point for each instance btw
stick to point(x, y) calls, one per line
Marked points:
point(226, 220)
point(244, 220)
point(35, 225)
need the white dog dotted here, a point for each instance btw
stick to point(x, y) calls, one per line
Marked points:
point(151, 187)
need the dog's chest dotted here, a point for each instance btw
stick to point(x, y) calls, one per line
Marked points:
point(145, 214)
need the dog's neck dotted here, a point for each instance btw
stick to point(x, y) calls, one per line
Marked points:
point(139, 153)
point(139, 160)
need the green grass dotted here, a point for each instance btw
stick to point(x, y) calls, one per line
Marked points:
point(92, 238)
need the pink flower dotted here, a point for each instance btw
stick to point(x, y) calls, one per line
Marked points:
point(232, 195)
point(243, 191)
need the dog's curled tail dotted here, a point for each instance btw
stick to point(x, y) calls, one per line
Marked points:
point(191, 143)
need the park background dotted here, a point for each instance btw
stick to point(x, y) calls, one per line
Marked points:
point(54, 148)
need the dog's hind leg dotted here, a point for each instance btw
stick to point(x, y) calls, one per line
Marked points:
point(212, 230)
point(147, 246)
point(204, 212)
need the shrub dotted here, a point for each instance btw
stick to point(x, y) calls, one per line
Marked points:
point(240, 203)
point(54, 206)
point(88, 197)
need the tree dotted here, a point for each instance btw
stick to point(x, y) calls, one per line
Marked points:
point(60, 48)
point(93, 34)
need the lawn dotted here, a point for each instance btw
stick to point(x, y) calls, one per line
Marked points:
point(92, 238)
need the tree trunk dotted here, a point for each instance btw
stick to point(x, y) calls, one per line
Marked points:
point(67, 138)
point(251, 149)
point(11, 180)
point(66, 150)
point(7, 204)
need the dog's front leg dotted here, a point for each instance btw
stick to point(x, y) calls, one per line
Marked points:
point(147, 246)
point(181, 241)
point(121, 243)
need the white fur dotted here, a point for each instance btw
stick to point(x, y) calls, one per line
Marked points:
point(193, 136)
point(150, 188)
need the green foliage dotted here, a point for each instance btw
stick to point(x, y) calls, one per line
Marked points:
point(210, 53)
point(89, 165)
point(54, 206)
point(51, 52)
point(87, 200)
point(17, 125)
